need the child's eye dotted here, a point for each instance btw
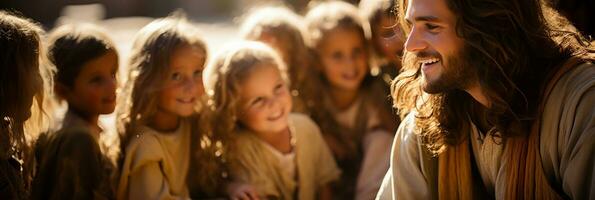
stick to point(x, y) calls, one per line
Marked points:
point(197, 74)
point(258, 102)
point(387, 33)
point(337, 55)
point(95, 79)
point(357, 52)
point(176, 76)
point(279, 88)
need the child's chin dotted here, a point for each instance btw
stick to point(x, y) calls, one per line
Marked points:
point(107, 111)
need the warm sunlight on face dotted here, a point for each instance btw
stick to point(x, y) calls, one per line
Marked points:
point(344, 59)
point(265, 100)
point(434, 42)
point(183, 84)
point(94, 89)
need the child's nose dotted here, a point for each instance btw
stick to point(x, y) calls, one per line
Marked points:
point(112, 84)
point(189, 84)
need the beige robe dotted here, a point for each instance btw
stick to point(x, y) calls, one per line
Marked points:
point(156, 165)
point(259, 167)
point(567, 147)
point(376, 145)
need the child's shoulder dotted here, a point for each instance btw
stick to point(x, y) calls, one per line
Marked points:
point(304, 127)
point(302, 121)
point(72, 138)
point(145, 144)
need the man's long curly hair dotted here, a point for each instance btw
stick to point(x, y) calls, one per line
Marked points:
point(514, 45)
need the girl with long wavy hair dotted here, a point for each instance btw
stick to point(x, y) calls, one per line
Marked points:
point(26, 83)
point(277, 154)
point(159, 117)
point(351, 106)
point(283, 30)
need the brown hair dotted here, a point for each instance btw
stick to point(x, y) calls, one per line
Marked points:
point(24, 79)
point(516, 43)
point(320, 20)
point(225, 74)
point(515, 46)
point(287, 27)
point(73, 45)
point(149, 61)
point(373, 11)
point(223, 77)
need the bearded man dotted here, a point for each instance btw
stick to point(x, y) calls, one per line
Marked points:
point(500, 103)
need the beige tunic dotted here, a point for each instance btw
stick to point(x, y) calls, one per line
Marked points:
point(156, 165)
point(259, 167)
point(567, 147)
point(376, 144)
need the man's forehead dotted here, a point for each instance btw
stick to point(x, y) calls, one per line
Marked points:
point(427, 10)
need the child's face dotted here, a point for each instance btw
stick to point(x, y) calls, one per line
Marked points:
point(388, 39)
point(344, 59)
point(183, 84)
point(94, 89)
point(265, 102)
point(277, 44)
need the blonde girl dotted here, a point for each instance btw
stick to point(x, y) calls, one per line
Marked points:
point(25, 82)
point(354, 112)
point(73, 162)
point(161, 101)
point(277, 154)
point(283, 30)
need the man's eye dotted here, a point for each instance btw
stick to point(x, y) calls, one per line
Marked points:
point(431, 27)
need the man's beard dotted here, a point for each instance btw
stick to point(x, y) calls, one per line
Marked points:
point(458, 73)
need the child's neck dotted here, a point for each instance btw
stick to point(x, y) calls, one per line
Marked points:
point(165, 122)
point(343, 99)
point(92, 120)
point(280, 140)
point(89, 118)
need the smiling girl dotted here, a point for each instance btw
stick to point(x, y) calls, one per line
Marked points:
point(161, 101)
point(278, 154)
point(353, 108)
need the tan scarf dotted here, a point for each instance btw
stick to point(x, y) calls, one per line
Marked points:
point(525, 178)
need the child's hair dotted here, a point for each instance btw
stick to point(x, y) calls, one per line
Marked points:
point(24, 78)
point(149, 63)
point(287, 27)
point(73, 45)
point(327, 16)
point(320, 20)
point(225, 74)
point(374, 10)
point(223, 77)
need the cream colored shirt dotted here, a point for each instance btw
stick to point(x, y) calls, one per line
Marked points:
point(567, 148)
point(376, 148)
point(156, 165)
point(315, 165)
point(286, 160)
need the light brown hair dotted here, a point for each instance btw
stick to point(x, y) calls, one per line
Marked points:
point(26, 80)
point(288, 28)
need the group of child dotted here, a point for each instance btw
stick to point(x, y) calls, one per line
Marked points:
point(299, 109)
